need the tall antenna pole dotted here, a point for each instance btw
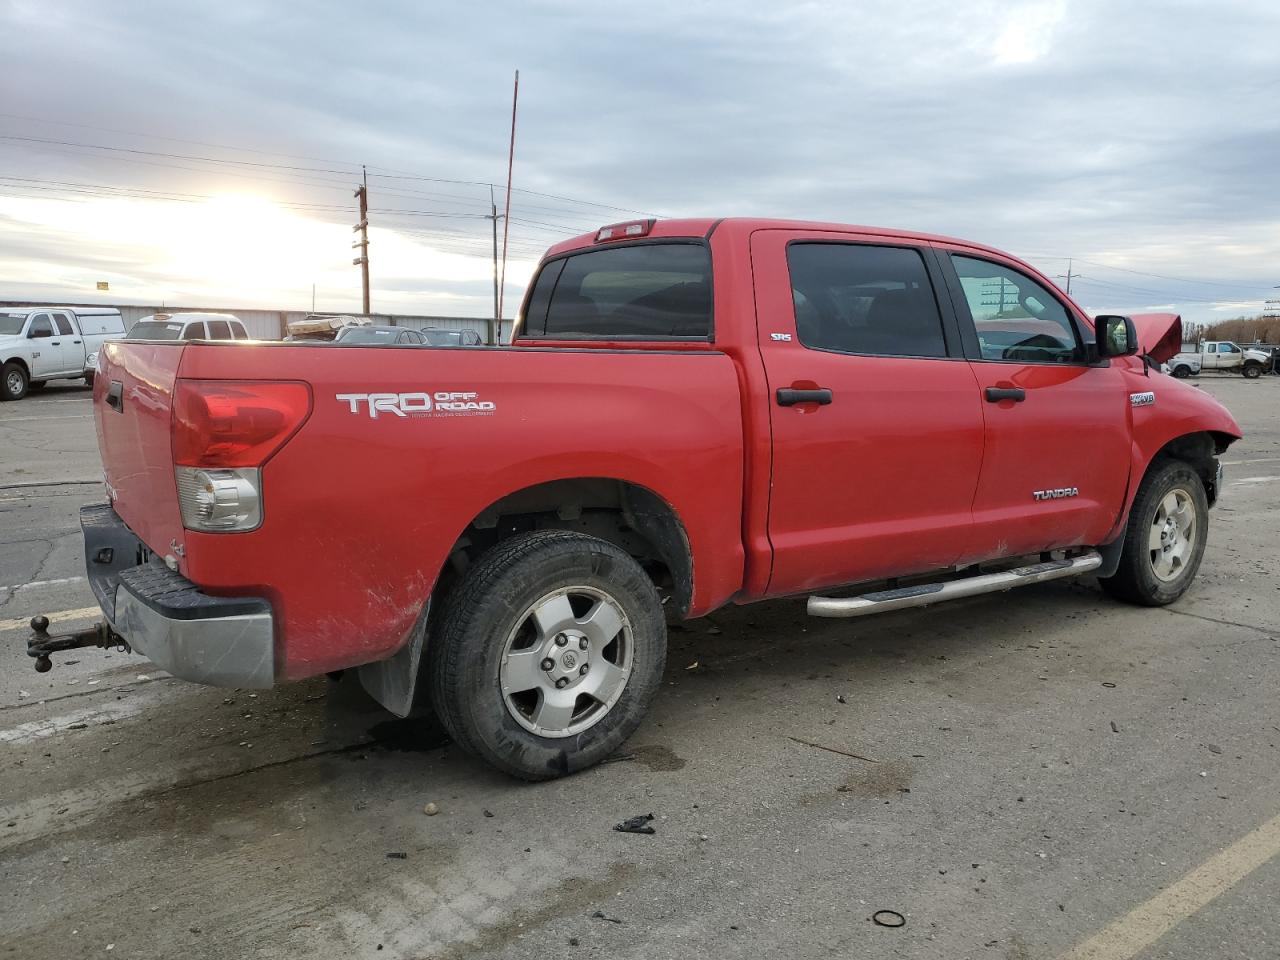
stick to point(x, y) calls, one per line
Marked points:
point(497, 307)
point(506, 218)
point(362, 261)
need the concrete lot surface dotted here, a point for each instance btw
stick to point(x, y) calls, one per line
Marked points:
point(1039, 774)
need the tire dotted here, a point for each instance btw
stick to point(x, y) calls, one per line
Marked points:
point(1172, 511)
point(1181, 372)
point(13, 381)
point(1252, 371)
point(488, 643)
point(88, 380)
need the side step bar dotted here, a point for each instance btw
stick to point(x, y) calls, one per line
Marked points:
point(925, 594)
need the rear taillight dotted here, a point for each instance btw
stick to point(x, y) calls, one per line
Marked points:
point(223, 431)
point(234, 423)
point(630, 230)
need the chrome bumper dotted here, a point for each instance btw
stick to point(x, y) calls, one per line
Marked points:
point(221, 641)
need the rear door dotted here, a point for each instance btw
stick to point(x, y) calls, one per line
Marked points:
point(877, 429)
point(70, 342)
point(1057, 426)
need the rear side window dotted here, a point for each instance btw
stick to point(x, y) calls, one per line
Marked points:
point(238, 331)
point(64, 325)
point(647, 291)
point(219, 330)
point(864, 299)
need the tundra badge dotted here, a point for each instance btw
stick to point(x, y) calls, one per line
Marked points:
point(1056, 494)
point(1144, 399)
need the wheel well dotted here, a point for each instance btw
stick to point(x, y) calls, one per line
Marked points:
point(1199, 450)
point(626, 514)
point(20, 362)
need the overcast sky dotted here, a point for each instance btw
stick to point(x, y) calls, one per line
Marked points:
point(1142, 139)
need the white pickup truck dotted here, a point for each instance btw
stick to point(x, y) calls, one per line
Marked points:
point(38, 344)
point(1220, 355)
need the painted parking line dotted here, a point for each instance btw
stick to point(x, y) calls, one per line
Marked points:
point(24, 623)
point(1144, 925)
point(1236, 463)
point(58, 416)
point(43, 583)
point(72, 720)
point(1243, 480)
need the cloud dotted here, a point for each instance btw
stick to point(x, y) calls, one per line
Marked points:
point(1115, 133)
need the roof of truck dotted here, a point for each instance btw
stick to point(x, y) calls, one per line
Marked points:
point(705, 226)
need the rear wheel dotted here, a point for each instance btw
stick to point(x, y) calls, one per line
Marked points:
point(13, 381)
point(548, 654)
point(1252, 370)
point(1165, 539)
point(88, 380)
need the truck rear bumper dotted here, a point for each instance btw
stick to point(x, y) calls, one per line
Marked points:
point(221, 641)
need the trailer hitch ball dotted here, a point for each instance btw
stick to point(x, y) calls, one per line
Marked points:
point(40, 624)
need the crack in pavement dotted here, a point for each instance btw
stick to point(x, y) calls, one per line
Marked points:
point(1226, 623)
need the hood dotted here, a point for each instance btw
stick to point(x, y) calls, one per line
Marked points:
point(1159, 334)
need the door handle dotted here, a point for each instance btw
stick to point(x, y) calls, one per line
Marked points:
point(790, 396)
point(115, 396)
point(55, 343)
point(75, 341)
point(996, 394)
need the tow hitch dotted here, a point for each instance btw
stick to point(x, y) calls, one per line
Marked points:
point(41, 643)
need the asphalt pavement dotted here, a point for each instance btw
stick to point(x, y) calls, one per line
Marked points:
point(1035, 775)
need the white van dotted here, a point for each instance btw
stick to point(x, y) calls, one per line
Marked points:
point(38, 344)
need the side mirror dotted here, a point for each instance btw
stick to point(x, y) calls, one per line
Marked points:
point(1116, 336)
point(39, 334)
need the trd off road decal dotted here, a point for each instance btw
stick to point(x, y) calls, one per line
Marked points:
point(443, 403)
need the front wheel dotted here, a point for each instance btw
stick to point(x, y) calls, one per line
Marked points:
point(1252, 371)
point(1165, 539)
point(13, 382)
point(1182, 372)
point(548, 654)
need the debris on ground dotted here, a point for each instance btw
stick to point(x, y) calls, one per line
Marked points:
point(840, 698)
point(843, 753)
point(1114, 728)
point(638, 824)
point(888, 918)
point(487, 813)
point(693, 666)
point(430, 809)
point(599, 915)
point(397, 855)
point(1213, 748)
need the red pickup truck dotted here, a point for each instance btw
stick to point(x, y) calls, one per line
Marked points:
point(692, 413)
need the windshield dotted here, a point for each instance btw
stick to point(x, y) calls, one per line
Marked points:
point(11, 323)
point(154, 330)
point(443, 338)
point(367, 335)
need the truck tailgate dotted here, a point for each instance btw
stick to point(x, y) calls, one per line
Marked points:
point(132, 403)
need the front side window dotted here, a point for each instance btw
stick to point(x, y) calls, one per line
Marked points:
point(645, 291)
point(864, 299)
point(1016, 318)
point(41, 327)
point(1228, 348)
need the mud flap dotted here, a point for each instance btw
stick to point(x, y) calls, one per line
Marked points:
point(394, 681)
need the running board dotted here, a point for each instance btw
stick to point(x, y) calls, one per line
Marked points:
point(925, 594)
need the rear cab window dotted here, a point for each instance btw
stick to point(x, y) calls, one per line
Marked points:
point(642, 291)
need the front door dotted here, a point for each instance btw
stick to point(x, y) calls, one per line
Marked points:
point(1057, 453)
point(876, 424)
point(46, 347)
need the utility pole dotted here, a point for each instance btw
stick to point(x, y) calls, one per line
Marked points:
point(506, 222)
point(1068, 275)
point(497, 307)
point(362, 261)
